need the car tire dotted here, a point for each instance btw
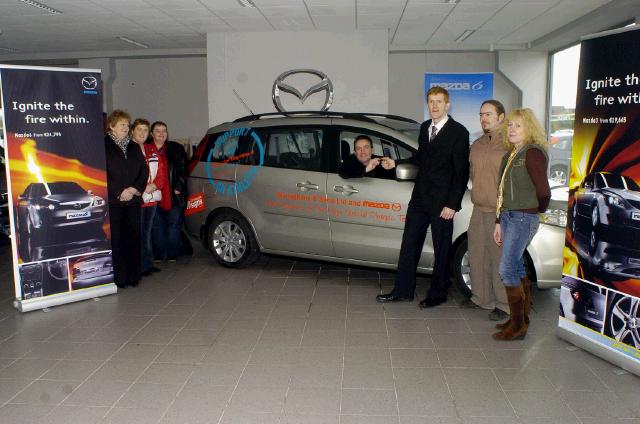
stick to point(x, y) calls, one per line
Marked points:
point(231, 241)
point(559, 175)
point(461, 269)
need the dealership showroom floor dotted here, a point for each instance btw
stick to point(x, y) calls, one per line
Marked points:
point(289, 341)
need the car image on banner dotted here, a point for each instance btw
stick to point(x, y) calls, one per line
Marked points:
point(54, 219)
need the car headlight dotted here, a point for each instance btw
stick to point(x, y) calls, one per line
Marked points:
point(51, 207)
point(614, 200)
point(98, 201)
point(555, 217)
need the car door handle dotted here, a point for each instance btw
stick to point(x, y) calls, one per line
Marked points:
point(347, 190)
point(306, 185)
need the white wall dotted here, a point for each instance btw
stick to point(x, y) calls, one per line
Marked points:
point(173, 90)
point(529, 71)
point(356, 63)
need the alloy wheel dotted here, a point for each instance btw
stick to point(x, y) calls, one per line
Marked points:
point(625, 322)
point(229, 241)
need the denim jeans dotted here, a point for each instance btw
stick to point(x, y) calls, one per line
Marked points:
point(146, 224)
point(165, 235)
point(518, 229)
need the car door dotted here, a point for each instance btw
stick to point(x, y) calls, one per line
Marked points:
point(367, 214)
point(286, 200)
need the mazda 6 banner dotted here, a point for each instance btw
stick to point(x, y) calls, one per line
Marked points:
point(54, 148)
point(600, 294)
point(466, 94)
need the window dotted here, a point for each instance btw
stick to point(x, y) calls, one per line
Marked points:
point(221, 147)
point(292, 147)
point(381, 146)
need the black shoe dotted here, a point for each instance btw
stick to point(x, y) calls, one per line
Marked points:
point(430, 302)
point(134, 283)
point(172, 259)
point(154, 269)
point(146, 273)
point(121, 286)
point(390, 297)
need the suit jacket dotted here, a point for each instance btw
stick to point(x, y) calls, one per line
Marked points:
point(123, 172)
point(443, 168)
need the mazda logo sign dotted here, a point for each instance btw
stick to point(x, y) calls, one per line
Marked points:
point(89, 82)
point(280, 86)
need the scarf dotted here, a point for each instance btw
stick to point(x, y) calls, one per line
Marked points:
point(122, 143)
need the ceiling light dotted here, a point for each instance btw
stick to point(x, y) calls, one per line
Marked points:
point(130, 41)
point(246, 3)
point(41, 6)
point(8, 49)
point(465, 35)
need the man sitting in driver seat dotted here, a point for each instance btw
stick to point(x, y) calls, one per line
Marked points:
point(362, 163)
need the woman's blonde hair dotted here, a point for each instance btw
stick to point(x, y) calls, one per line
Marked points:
point(533, 132)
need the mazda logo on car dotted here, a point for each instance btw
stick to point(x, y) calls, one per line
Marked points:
point(89, 82)
point(280, 86)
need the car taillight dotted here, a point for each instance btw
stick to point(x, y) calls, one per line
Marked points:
point(198, 153)
point(554, 140)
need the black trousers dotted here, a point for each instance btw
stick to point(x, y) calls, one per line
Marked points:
point(125, 243)
point(415, 231)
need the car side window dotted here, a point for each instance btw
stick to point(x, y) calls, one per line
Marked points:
point(382, 146)
point(221, 147)
point(292, 147)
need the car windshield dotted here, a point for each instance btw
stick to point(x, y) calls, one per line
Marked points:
point(621, 182)
point(410, 129)
point(66, 187)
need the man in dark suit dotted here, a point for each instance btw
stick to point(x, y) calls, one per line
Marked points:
point(443, 160)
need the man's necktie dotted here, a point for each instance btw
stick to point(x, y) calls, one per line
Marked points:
point(434, 131)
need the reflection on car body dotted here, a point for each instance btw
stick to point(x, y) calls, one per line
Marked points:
point(52, 215)
point(91, 271)
point(297, 204)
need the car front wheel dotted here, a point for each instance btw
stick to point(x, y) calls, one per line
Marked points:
point(231, 241)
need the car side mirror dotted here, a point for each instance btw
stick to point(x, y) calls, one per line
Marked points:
point(406, 172)
point(21, 197)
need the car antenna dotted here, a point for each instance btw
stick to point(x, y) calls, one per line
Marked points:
point(243, 102)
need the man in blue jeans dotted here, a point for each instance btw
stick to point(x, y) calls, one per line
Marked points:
point(166, 234)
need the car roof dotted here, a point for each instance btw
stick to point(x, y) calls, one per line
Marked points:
point(393, 124)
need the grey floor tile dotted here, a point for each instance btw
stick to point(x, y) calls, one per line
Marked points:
point(410, 340)
point(217, 374)
point(446, 325)
point(221, 353)
point(138, 352)
point(358, 356)
point(10, 388)
point(23, 413)
point(465, 358)
point(189, 337)
point(182, 354)
point(154, 335)
point(133, 416)
point(51, 350)
point(204, 395)
point(28, 368)
point(539, 404)
point(369, 419)
point(72, 370)
point(238, 417)
point(147, 394)
point(310, 419)
point(252, 399)
point(367, 377)
point(45, 392)
point(75, 414)
point(319, 376)
point(414, 358)
point(312, 401)
point(471, 378)
point(481, 402)
point(368, 401)
point(598, 405)
point(202, 414)
point(571, 379)
point(166, 373)
point(433, 403)
point(122, 370)
point(363, 339)
point(97, 393)
point(399, 325)
point(426, 380)
point(275, 355)
point(323, 338)
point(266, 376)
point(523, 379)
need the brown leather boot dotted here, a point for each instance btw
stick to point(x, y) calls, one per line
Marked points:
point(517, 328)
point(526, 288)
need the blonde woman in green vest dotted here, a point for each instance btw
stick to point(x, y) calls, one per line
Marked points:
point(523, 193)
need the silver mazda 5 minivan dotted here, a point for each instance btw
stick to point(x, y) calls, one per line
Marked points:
point(269, 184)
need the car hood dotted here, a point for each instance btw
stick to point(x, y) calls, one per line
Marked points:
point(64, 198)
point(625, 194)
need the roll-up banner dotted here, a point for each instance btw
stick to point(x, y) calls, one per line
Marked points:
point(600, 294)
point(57, 189)
point(466, 94)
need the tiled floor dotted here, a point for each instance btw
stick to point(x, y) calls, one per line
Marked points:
point(291, 342)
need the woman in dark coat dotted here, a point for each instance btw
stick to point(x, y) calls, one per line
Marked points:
point(127, 174)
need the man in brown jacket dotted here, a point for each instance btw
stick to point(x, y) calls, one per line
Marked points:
point(484, 255)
